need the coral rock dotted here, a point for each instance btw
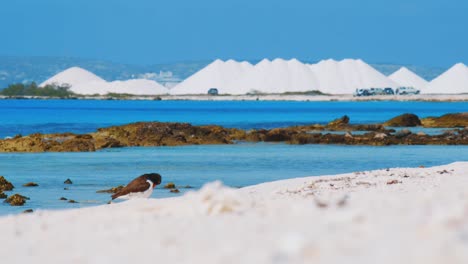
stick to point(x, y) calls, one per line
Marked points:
point(30, 184)
point(5, 185)
point(16, 200)
point(170, 185)
point(405, 120)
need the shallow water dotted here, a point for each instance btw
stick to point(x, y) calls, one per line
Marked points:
point(83, 116)
point(236, 165)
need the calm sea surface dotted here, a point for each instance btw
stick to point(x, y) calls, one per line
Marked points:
point(236, 165)
point(81, 116)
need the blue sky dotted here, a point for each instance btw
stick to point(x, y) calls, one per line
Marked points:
point(421, 32)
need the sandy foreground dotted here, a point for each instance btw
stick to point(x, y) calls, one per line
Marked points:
point(401, 215)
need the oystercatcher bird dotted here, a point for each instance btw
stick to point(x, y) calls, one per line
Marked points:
point(141, 187)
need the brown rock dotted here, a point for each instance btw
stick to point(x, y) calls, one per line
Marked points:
point(169, 185)
point(174, 191)
point(72, 201)
point(405, 120)
point(30, 184)
point(3, 195)
point(16, 200)
point(339, 123)
point(402, 133)
point(279, 135)
point(28, 211)
point(63, 199)
point(5, 185)
point(448, 120)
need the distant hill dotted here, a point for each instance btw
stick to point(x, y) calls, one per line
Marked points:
point(39, 69)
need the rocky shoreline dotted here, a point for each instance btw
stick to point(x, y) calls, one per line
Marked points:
point(146, 134)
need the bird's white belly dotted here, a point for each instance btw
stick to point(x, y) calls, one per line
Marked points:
point(145, 194)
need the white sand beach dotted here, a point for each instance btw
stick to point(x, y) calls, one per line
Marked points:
point(399, 215)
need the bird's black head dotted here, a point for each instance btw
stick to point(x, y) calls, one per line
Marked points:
point(153, 177)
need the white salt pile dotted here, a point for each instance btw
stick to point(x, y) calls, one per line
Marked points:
point(277, 76)
point(283, 76)
point(84, 82)
point(406, 78)
point(72, 77)
point(344, 77)
point(133, 86)
point(453, 81)
point(216, 75)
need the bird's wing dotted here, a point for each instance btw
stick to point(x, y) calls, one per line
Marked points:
point(137, 185)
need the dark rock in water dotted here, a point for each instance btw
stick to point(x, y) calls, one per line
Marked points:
point(65, 189)
point(111, 190)
point(63, 199)
point(16, 200)
point(30, 184)
point(174, 191)
point(72, 201)
point(28, 211)
point(186, 187)
point(402, 133)
point(448, 120)
point(5, 185)
point(147, 134)
point(405, 120)
point(170, 185)
point(3, 195)
point(339, 123)
point(68, 181)
point(279, 135)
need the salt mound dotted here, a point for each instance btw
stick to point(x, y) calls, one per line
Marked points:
point(406, 78)
point(71, 77)
point(84, 82)
point(133, 86)
point(281, 76)
point(277, 76)
point(215, 75)
point(344, 77)
point(453, 81)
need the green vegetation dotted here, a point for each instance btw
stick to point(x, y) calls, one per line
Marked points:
point(32, 89)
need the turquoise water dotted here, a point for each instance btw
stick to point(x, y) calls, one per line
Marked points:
point(236, 165)
point(82, 116)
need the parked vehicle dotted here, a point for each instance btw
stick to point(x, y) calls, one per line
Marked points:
point(407, 90)
point(213, 91)
point(389, 91)
point(377, 91)
point(361, 92)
